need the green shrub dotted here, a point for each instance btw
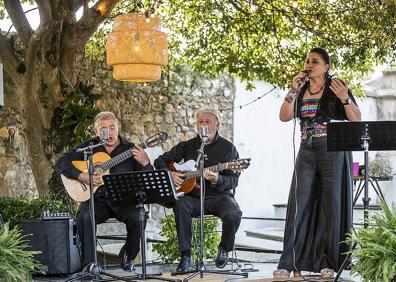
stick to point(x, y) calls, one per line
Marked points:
point(375, 254)
point(169, 249)
point(16, 262)
point(15, 210)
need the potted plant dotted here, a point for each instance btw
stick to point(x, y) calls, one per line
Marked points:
point(375, 254)
point(17, 262)
point(380, 167)
point(169, 250)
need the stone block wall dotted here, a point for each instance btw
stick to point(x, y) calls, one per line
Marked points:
point(167, 105)
point(143, 109)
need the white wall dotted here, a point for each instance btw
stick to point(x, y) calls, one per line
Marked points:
point(260, 135)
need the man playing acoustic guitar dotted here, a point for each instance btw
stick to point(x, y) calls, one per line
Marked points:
point(115, 145)
point(219, 198)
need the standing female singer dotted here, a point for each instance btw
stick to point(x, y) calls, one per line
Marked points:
point(319, 213)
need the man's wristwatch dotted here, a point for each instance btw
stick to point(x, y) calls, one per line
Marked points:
point(347, 101)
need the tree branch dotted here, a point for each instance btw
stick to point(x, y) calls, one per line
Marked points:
point(18, 18)
point(78, 3)
point(94, 16)
point(44, 7)
point(9, 60)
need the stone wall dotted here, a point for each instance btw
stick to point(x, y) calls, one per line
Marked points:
point(167, 105)
point(143, 109)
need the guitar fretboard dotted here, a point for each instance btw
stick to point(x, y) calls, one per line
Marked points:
point(215, 168)
point(119, 158)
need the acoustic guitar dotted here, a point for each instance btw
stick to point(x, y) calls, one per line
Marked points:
point(191, 174)
point(79, 191)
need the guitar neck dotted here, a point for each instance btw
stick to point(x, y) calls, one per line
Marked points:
point(215, 168)
point(119, 158)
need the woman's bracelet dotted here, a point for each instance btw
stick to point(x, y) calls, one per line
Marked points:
point(291, 95)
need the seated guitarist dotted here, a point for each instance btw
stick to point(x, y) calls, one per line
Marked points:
point(103, 209)
point(219, 198)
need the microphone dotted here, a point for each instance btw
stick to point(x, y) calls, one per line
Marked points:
point(303, 80)
point(306, 73)
point(204, 133)
point(105, 134)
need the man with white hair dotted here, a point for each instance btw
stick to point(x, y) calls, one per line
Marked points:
point(114, 146)
point(219, 197)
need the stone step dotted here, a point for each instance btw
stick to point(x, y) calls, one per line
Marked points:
point(266, 236)
point(358, 213)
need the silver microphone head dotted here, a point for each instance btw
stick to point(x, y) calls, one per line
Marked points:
point(105, 134)
point(204, 132)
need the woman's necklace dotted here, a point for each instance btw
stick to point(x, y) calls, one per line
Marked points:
point(316, 92)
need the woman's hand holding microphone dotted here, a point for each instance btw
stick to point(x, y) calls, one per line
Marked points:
point(298, 82)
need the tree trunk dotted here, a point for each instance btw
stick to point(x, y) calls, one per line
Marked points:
point(34, 126)
point(43, 66)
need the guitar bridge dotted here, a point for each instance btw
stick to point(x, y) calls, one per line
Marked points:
point(83, 186)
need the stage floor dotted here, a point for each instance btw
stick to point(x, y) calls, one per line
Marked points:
point(263, 272)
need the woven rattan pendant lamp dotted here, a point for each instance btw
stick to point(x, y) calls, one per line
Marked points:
point(136, 48)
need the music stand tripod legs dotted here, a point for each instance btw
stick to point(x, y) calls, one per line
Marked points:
point(143, 276)
point(138, 188)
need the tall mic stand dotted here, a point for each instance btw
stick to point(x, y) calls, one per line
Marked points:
point(201, 267)
point(93, 268)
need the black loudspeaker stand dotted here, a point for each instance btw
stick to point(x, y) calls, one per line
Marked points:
point(139, 188)
point(361, 136)
point(57, 241)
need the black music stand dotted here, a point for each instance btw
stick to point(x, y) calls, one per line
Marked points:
point(361, 136)
point(139, 188)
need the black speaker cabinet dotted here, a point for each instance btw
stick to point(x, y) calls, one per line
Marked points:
point(57, 241)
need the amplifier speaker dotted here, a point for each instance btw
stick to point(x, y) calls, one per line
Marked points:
point(57, 241)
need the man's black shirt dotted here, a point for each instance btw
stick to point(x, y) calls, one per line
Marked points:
point(220, 151)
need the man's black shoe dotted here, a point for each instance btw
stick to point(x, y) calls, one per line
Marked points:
point(126, 263)
point(185, 264)
point(222, 258)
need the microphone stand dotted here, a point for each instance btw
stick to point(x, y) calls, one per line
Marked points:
point(93, 268)
point(201, 267)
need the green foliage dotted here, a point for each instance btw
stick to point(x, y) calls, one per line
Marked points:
point(376, 247)
point(169, 250)
point(17, 263)
point(71, 125)
point(270, 42)
point(72, 122)
point(15, 210)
